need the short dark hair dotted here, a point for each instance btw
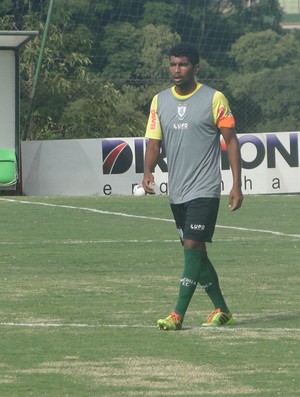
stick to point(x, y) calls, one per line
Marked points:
point(185, 50)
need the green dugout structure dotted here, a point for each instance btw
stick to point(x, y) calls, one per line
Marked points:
point(10, 44)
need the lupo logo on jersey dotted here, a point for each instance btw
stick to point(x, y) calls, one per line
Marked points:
point(117, 156)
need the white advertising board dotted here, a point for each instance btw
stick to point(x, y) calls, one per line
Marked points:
point(113, 166)
point(270, 163)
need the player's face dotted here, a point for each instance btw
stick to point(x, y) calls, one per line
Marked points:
point(183, 74)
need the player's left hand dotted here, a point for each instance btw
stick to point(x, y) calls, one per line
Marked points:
point(235, 199)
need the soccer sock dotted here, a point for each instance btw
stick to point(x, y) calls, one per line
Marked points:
point(188, 280)
point(209, 281)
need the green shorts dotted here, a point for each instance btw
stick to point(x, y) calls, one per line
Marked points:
point(196, 219)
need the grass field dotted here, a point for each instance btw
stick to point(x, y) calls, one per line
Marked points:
point(83, 281)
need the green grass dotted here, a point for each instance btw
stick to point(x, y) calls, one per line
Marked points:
point(81, 292)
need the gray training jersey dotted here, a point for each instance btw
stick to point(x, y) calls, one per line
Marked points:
point(192, 144)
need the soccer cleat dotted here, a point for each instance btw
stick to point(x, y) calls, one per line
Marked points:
point(218, 318)
point(171, 323)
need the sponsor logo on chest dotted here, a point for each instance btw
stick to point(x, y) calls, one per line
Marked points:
point(181, 115)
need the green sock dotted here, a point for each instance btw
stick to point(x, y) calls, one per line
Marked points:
point(209, 281)
point(189, 280)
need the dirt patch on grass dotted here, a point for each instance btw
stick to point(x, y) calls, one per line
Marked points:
point(154, 377)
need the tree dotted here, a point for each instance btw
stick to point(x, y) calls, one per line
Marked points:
point(151, 74)
point(101, 111)
point(259, 15)
point(5, 6)
point(158, 13)
point(266, 49)
point(264, 84)
point(65, 60)
point(122, 46)
point(153, 57)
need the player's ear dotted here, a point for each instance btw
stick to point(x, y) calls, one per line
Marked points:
point(196, 69)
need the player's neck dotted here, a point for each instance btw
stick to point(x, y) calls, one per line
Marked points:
point(186, 90)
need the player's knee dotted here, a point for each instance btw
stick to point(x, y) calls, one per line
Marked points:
point(195, 245)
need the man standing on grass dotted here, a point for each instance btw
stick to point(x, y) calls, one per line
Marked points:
point(189, 118)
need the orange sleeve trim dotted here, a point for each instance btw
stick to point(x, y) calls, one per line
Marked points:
point(228, 122)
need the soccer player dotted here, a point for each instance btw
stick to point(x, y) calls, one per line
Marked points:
point(189, 118)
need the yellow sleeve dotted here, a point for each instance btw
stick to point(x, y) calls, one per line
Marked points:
point(153, 130)
point(221, 111)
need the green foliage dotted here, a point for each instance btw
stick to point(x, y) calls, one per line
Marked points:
point(260, 15)
point(153, 59)
point(141, 95)
point(136, 54)
point(158, 13)
point(120, 42)
point(266, 49)
point(73, 6)
point(93, 109)
point(5, 6)
point(101, 111)
point(279, 102)
point(109, 112)
point(266, 81)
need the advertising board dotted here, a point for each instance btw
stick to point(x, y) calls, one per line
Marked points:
point(270, 165)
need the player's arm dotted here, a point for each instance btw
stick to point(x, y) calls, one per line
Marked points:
point(234, 157)
point(226, 123)
point(151, 158)
point(154, 133)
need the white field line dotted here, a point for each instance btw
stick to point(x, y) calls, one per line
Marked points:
point(75, 242)
point(122, 326)
point(143, 217)
point(90, 242)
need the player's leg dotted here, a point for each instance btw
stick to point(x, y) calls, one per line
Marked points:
point(188, 281)
point(202, 214)
point(189, 278)
point(209, 281)
point(200, 224)
point(195, 222)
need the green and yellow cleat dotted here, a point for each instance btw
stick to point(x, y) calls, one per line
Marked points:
point(218, 319)
point(171, 323)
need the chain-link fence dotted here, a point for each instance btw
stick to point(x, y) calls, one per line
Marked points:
point(103, 62)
